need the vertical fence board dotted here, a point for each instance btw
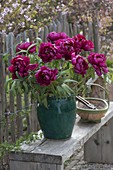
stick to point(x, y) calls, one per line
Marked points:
point(74, 26)
point(18, 39)
point(1, 86)
point(90, 31)
point(33, 117)
point(41, 33)
point(64, 20)
point(19, 116)
point(4, 76)
point(84, 29)
point(59, 27)
point(24, 36)
point(71, 30)
point(26, 100)
point(54, 26)
point(96, 32)
point(46, 31)
point(31, 35)
point(11, 98)
point(50, 27)
point(2, 90)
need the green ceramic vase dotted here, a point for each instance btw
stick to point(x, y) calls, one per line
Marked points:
point(57, 121)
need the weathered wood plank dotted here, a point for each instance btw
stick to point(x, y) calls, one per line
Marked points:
point(18, 39)
point(19, 117)
point(59, 27)
point(2, 108)
point(34, 125)
point(54, 26)
point(46, 31)
point(74, 27)
point(3, 90)
point(96, 37)
point(57, 151)
point(27, 115)
point(101, 143)
point(10, 47)
point(33, 157)
point(31, 35)
point(45, 166)
point(64, 23)
point(24, 36)
point(59, 167)
point(90, 31)
point(71, 30)
point(15, 165)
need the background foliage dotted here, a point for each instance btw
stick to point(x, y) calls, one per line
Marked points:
point(19, 15)
point(22, 14)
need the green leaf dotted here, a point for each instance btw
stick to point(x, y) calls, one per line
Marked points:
point(8, 81)
point(70, 81)
point(63, 73)
point(39, 40)
point(19, 89)
point(17, 75)
point(22, 51)
point(67, 89)
point(44, 101)
point(13, 87)
point(61, 91)
point(32, 45)
point(5, 57)
point(25, 87)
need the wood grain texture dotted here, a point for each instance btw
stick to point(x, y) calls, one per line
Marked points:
point(15, 165)
point(100, 146)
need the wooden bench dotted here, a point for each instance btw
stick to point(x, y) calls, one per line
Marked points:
point(51, 154)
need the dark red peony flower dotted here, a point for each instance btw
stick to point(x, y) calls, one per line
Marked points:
point(82, 44)
point(98, 61)
point(20, 64)
point(88, 45)
point(54, 36)
point(25, 46)
point(33, 66)
point(63, 35)
point(45, 76)
point(80, 64)
point(48, 52)
point(65, 47)
point(79, 41)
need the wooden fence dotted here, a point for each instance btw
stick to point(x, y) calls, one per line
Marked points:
point(12, 108)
